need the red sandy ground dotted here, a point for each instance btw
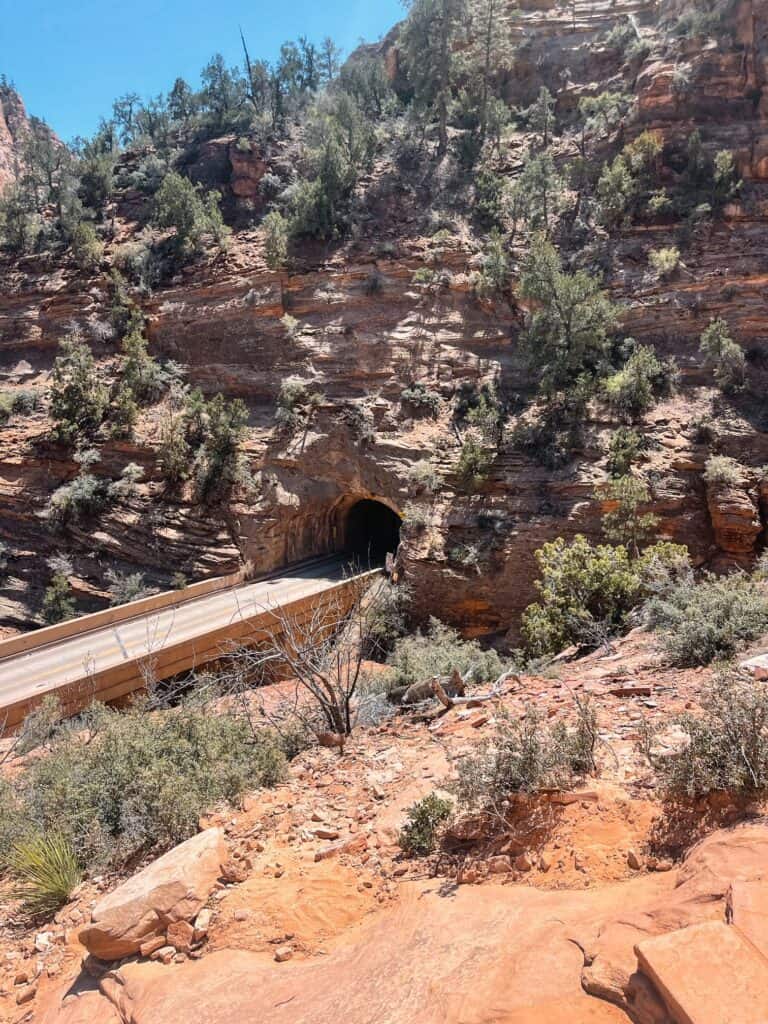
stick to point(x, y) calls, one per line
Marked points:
point(371, 928)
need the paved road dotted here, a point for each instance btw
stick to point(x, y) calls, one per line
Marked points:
point(37, 672)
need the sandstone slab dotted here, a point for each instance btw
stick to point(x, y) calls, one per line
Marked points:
point(748, 912)
point(692, 895)
point(491, 952)
point(707, 974)
point(88, 1007)
point(172, 888)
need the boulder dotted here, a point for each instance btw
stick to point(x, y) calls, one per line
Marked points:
point(757, 667)
point(172, 888)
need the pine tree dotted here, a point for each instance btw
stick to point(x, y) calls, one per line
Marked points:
point(541, 116)
point(573, 319)
point(491, 52)
point(78, 398)
point(429, 39)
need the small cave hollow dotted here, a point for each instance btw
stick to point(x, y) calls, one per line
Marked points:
point(372, 532)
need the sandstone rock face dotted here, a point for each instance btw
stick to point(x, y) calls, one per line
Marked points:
point(248, 168)
point(171, 889)
point(13, 123)
point(735, 520)
point(228, 163)
point(359, 347)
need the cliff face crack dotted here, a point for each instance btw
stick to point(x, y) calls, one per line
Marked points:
point(372, 531)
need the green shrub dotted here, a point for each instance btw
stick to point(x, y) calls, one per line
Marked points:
point(664, 261)
point(663, 567)
point(217, 463)
point(660, 204)
point(40, 726)
point(704, 430)
point(296, 403)
point(424, 476)
point(178, 204)
point(420, 833)
point(474, 462)
point(725, 178)
point(468, 556)
point(87, 247)
point(126, 587)
point(123, 413)
point(644, 378)
point(78, 397)
point(141, 264)
point(420, 398)
point(722, 471)
point(481, 408)
point(489, 199)
point(13, 823)
point(291, 326)
point(126, 485)
point(125, 314)
point(585, 593)
point(557, 426)
point(204, 441)
point(438, 652)
point(58, 603)
point(17, 402)
point(26, 402)
point(81, 498)
point(572, 320)
point(714, 619)
point(343, 143)
point(728, 743)
point(624, 523)
point(527, 755)
point(276, 236)
point(120, 783)
point(624, 183)
point(175, 453)
point(493, 278)
point(145, 378)
point(387, 619)
point(699, 22)
point(424, 276)
point(624, 448)
point(724, 355)
point(45, 872)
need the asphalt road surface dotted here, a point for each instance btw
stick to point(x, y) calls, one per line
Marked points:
point(37, 672)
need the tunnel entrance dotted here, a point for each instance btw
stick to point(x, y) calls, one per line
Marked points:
point(372, 532)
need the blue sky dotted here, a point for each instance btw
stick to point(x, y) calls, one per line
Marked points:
point(70, 58)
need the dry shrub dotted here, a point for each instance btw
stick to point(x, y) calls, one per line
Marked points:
point(115, 784)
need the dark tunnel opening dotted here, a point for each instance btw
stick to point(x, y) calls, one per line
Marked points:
point(373, 532)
